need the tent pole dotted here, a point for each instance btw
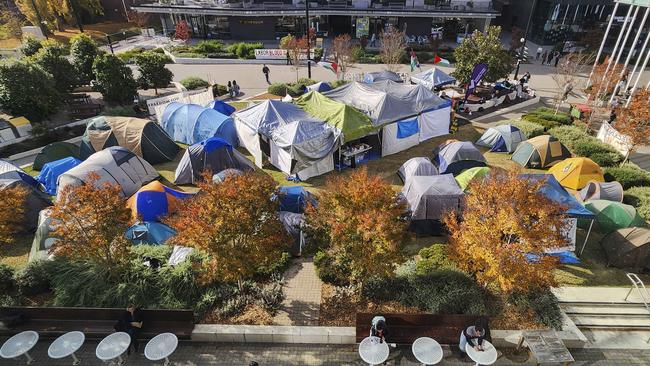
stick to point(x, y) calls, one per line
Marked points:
point(587, 237)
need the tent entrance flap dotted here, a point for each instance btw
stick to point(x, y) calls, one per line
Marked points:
point(407, 128)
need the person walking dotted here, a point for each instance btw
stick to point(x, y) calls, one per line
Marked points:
point(544, 56)
point(557, 57)
point(288, 58)
point(266, 72)
point(539, 52)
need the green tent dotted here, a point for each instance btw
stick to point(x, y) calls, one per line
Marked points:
point(55, 151)
point(468, 175)
point(352, 123)
point(611, 215)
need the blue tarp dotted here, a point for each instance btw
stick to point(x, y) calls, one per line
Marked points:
point(563, 257)
point(555, 192)
point(51, 171)
point(294, 199)
point(319, 87)
point(407, 128)
point(221, 107)
point(149, 233)
point(191, 123)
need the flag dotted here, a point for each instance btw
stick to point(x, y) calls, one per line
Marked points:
point(437, 60)
point(331, 66)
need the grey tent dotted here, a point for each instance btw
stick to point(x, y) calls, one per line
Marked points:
point(432, 78)
point(456, 156)
point(429, 197)
point(35, 201)
point(380, 106)
point(10, 171)
point(113, 165)
point(371, 77)
point(213, 154)
point(222, 175)
point(611, 191)
point(43, 239)
point(504, 138)
point(292, 223)
point(418, 166)
point(627, 248)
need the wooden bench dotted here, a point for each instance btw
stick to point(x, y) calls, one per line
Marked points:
point(406, 328)
point(96, 322)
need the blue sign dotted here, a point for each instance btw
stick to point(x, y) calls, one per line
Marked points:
point(477, 75)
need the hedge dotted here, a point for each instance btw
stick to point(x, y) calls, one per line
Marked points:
point(193, 83)
point(628, 175)
point(433, 258)
point(529, 129)
point(293, 89)
point(548, 118)
point(639, 197)
point(583, 144)
point(543, 303)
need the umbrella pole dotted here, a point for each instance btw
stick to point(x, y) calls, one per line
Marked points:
point(587, 237)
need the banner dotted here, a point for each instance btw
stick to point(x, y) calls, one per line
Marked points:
point(610, 136)
point(477, 75)
point(157, 106)
point(276, 54)
point(363, 27)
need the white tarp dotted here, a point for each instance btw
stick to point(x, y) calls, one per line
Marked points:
point(249, 139)
point(434, 123)
point(609, 135)
point(157, 106)
point(391, 144)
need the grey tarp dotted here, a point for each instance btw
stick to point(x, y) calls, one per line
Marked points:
point(419, 98)
point(43, 239)
point(214, 155)
point(292, 223)
point(429, 197)
point(418, 166)
point(611, 191)
point(432, 78)
point(35, 202)
point(371, 77)
point(457, 156)
point(627, 248)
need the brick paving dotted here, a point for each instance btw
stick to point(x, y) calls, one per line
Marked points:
point(233, 354)
point(302, 291)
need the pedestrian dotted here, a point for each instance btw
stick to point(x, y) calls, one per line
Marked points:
point(373, 40)
point(544, 56)
point(288, 58)
point(235, 89)
point(557, 58)
point(539, 52)
point(474, 335)
point(266, 72)
point(229, 88)
point(568, 88)
point(131, 323)
point(550, 58)
point(378, 328)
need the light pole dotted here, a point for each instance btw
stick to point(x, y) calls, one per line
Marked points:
point(523, 43)
point(308, 39)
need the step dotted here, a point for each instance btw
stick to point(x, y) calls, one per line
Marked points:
point(600, 304)
point(587, 321)
point(607, 310)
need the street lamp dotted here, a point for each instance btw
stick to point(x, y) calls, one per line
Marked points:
point(308, 39)
point(523, 40)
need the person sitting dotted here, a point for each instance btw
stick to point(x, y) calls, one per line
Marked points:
point(229, 88)
point(378, 328)
point(131, 323)
point(474, 335)
point(235, 89)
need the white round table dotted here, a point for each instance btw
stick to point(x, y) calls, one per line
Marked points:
point(20, 344)
point(113, 346)
point(486, 357)
point(161, 347)
point(66, 345)
point(372, 351)
point(427, 351)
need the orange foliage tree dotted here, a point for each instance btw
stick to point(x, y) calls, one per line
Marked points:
point(634, 120)
point(12, 212)
point(182, 31)
point(504, 218)
point(295, 47)
point(235, 223)
point(362, 221)
point(602, 85)
point(91, 220)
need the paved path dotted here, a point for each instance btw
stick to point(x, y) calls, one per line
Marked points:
point(302, 292)
point(231, 354)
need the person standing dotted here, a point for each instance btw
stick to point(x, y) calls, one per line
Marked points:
point(539, 52)
point(229, 88)
point(557, 58)
point(544, 56)
point(235, 88)
point(266, 72)
point(288, 58)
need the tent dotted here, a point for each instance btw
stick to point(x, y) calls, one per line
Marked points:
point(540, 152)
point(457, 156)
point(418, 166)
point(154, 201)
point(191, 123)
point(295, 142)
point(575, 173)
point(611, 191)
point(295, 199)
point(371, 77)
point(470, 174)
point(55, 151)
point(627, 248)
point(432, 79)
point(221, 107)
point(34, 203)
point(149, 233)
point(52, 170)
point(222, 175)
point(213, 154)
point(114, 165)
point(504, 138)
point(142, 136)
point(429, 197)
point(319, 87)
point(612, 215)
point(10, 171)
point(293, 223)
point(43, 238)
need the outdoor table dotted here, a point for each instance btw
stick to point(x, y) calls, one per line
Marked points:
point(427, 351)
point(161, 347)
point(372, 351)
point(66, 345)
point(546, 346)
point(353, 153)
point(113, 346)
point(486, 357)
point(19, 345)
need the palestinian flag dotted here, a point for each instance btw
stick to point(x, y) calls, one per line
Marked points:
point(437, 60)
point(331, 66)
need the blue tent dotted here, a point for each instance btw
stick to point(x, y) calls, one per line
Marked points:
point(319, 87)
point(51, 171)
point(221, 107)
point(555, 192)
point(150, 233)
point(191, 123)
point(294, 199)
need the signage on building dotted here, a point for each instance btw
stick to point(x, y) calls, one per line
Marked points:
point(275, 54)
point(363, 27)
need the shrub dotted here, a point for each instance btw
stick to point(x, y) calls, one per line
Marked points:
point(279, 89)
point(569, 135)
point(331, 270)
point(193, 83)
point(30, 46)
point(335, 84)
point(547, 124)
point(639, 197)
point(543, 303)
point(275, 268)
point(628, 175)
point(125, 111)
point(244, 50)
point(529, 129)
point(547, 118)
point(385, 288)
point(211, 46)
point(7, 282)
point(35, 278)
point(219, 90)
point(598, 151)
point(433, 258)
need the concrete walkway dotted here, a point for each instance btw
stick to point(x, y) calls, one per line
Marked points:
point(302, 292)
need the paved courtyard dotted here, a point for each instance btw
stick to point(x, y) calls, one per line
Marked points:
point(302, 291)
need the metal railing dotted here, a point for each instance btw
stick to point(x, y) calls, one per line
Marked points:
point(638, 284)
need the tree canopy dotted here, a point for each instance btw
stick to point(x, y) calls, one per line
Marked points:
point(391, 48)
point(27, 90)
point(114, 79)
point(51, 57)
point(12, 212)
point(83, 50)
point(153, 73)
point(483, 48)
point(343, 50)
point(634, 120)
point(55, 11)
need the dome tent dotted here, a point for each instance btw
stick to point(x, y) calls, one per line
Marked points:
point(221, 107)
point(321, 86)
point(10, 171)
point(222, 175)
point(433, 78)
point(470, 174)
point(55, 151)
point(612, 215)
point(213, 154)
point(504, 138)
point(52, 170)
point(295, 199)
point(456, 156)
point(540, 152)
point(149, 233)
point(418, 166)
point(154, 201)
point(575, 173)
point(191, 123)
point(611, 191)
point(627, 248)
point(142, 136)
point(429, 197)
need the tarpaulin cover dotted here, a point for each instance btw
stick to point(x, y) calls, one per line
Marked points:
point(451, 156)
point(221, 107)
point(191, 123)
point(10, 171)
point(432, 78)
point(214, 155)
point(154, 201)
point(371, 77)
point(52, 170)
point(555, 192)
point(149, 233)
point(420, 98)
point(408, 127)
point(429, 197)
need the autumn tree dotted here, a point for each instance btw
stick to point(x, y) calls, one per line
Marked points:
point(361, 220)
point(343, 50)
point(90, 222)
point(392, 48)
point(235, 223)
point(55, 12)
point(182, 31)
point(603, 81)
point(139, 18)
point(295, 47)
point(504, 218)
point(12, 212)
point(633, 121)
point(567, 75)
point(484, 48)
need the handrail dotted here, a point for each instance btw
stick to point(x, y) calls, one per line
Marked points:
point(638, 284)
